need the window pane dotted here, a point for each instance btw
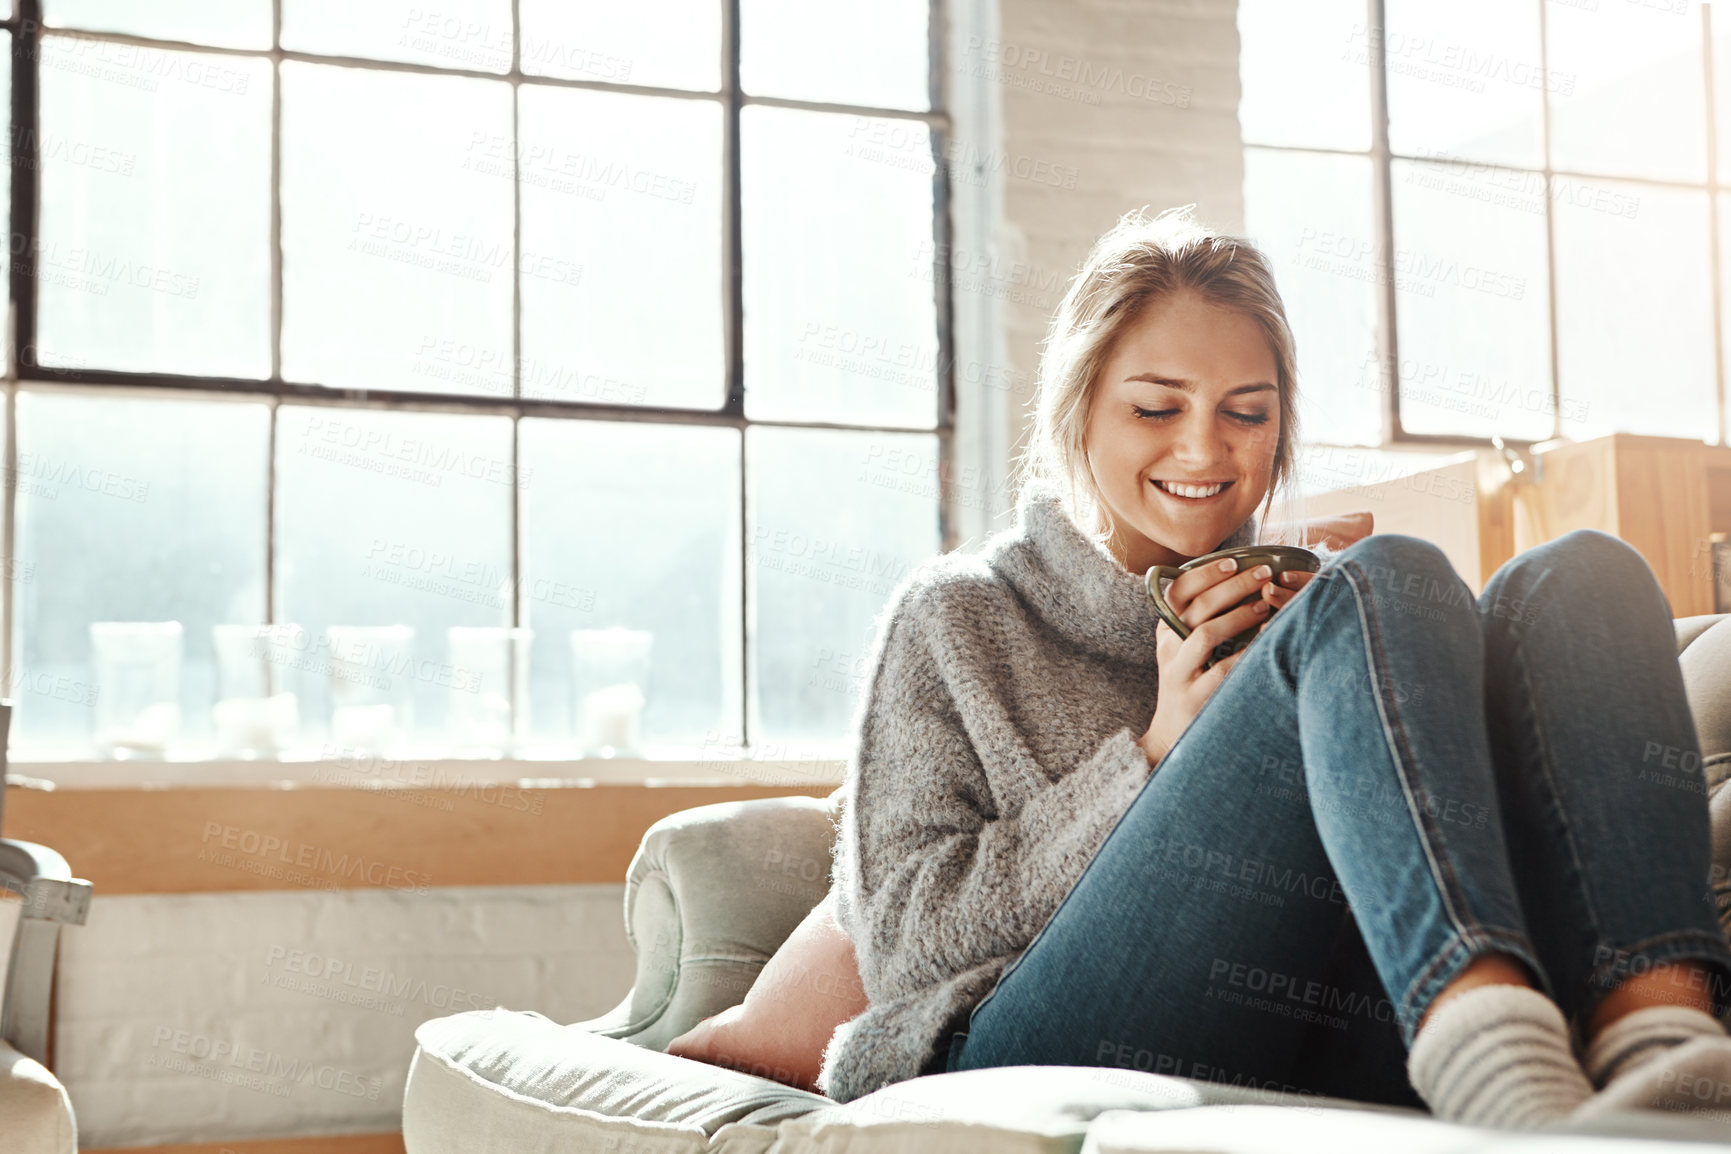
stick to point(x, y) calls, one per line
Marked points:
point(223, 23)
point(390, 519)
point(840, 323)
point(1467, 79)
point(1475, 326)
point(1634, 313)
point(592, 488)
point(1628, 94)
point(1312, 215)
point(621, 247)
point(155, 215)
point(1305, 73)
point(470, 34)
point(1721, 25)
point(837, 519)
point(396, 231)
point(624, 43)
point(131, 510)
point(869, 54)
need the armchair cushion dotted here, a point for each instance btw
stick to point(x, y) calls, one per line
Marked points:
point(499, 1082)
point(1272, 1129)
point(1704, 653)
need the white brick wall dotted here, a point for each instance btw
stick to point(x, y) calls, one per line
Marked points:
point(206, 1017)
point(1130, 103)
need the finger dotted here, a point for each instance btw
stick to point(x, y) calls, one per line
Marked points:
point(1211, 680)
point(1199, 647)
point(1276, 596)
point(1296, 579)
point(1188, 584)
point(1229, 624)
point(1185, 660)
point(1222, 596)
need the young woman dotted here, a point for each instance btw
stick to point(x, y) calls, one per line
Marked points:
point(1406, 841)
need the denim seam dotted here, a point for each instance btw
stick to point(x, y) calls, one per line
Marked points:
point(1459, 950)
point(1372, 646)
point(1310, 631)
point(1519, 657)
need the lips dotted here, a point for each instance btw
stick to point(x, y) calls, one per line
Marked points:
point(1192, 490)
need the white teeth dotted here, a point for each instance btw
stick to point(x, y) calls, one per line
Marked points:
point(1180, 489)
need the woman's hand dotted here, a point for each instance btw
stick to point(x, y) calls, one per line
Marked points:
point(1203, 599)
point(1278, 593)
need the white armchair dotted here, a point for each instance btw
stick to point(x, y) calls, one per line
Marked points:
point(40, 895)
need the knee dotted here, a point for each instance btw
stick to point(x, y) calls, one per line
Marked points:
point(1580, 563)
point(1408, 575)
point(1397, 559)
point(1594, 554)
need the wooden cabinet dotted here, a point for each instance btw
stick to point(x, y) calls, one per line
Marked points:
point(1456, 504)
point(1666, 497)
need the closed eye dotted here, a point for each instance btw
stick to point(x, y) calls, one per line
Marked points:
point(1163, 414)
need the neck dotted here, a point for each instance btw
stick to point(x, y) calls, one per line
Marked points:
point(1143, 554)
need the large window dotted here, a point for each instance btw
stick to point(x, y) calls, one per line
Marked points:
point(558, 376)
point(1495, 218)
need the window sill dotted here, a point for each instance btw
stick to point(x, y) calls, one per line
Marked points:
point(430, 770)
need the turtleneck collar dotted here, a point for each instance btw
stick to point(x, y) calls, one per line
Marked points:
point(1074, 584)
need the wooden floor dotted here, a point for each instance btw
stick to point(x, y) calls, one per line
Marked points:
point(345, 1144)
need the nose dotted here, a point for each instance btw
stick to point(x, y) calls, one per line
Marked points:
point(1198, 442)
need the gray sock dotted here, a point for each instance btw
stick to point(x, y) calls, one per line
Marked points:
point(1693, 1076)
point(1642, 1035)
point(1497, 1056)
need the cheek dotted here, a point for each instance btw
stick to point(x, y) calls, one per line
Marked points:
point(1127, 445)
point(1258, 445)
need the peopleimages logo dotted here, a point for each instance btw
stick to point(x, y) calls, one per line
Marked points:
point(327, 864)
point(252, 1067)
point(339, 973)
point(1072, 77)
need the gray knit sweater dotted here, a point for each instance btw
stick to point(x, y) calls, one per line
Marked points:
point(997, 747)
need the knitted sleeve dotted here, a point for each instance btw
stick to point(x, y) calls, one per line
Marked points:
point(936, 873)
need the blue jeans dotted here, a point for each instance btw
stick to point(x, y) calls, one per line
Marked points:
point(1396, 778)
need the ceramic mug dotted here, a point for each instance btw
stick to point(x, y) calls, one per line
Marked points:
point(1279, 558)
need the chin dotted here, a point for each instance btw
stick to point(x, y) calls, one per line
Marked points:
point(1194, 537)
point(1192, 543)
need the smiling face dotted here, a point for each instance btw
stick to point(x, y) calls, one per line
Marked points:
point(1183, 428)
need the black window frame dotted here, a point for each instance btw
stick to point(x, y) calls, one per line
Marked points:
point(1393, 434)
point(27, 29)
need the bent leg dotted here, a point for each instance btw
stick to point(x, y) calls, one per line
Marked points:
point(1599, 771)
point(1196, 929)
point(1343, 760)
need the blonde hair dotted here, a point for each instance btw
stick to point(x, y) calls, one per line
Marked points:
point(1139, 261)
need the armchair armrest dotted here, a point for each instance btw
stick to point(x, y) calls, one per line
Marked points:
point(1704, 653)
point(52, 898)
point(710, 896)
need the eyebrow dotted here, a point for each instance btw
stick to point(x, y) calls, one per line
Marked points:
point(1190, 386)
